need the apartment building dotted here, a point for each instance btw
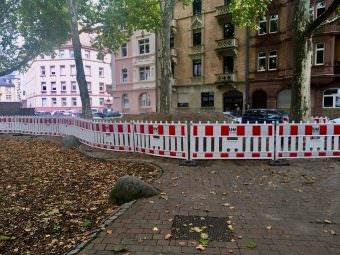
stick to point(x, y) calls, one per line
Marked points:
point(271, 63)
point(208, 55)
point(9, 87)
point(134, 75)
point(50, 83)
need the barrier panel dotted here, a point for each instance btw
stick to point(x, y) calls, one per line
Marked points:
point(231, 141)
point(7, 125)
point(162, 139)
point(307, 140)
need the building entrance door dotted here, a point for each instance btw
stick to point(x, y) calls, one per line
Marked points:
point(233, 101)
point(259, 99)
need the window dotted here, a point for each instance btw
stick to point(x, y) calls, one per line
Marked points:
point(144, 73)
point(207, 99)
point(101, 87)
point(196, 67)
point(43, 87)
point(42, 71)
point(71, 54)
point(262, 26)
point(197, 7)
point(87, 54)
point(61, 53)
point(101, 72)
point(125, 101)
point(74, 101)
point(62, 70)
point(53, 87)
point(197, 38)
point(144, 46)
point(74, 86)
point(88, 70)
point(54, 101)
point(124, 50)
point(89, 86)
point(283, 99)
point(8, 97)
point(320, 7)
point(331, 98)
point(144, 100)
point(261, 62)
point(63, 86)
point(52, 70)
point(228, 31)
point(73, 70)
point(44, 102)
point(101, 101)
point(63, 101)
point(319, 53)
point(272, 61)
point(228, 64)
point(274, 23)
point(124, 75)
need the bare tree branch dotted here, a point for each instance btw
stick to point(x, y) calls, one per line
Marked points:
point(330, 21)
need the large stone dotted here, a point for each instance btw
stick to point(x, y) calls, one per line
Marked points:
point(129, 188)
point(70, 142)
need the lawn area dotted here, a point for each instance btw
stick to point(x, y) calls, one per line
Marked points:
point(50, 198)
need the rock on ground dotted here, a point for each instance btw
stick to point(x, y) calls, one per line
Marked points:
point(129, 188)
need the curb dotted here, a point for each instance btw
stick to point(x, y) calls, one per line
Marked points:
point(115, 215)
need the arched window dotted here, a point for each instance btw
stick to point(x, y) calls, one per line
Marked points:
point(331, 98)
point(144, 100)
point(283, 99)
point(125, 101)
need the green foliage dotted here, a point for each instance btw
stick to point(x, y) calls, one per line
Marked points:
point(246, 12)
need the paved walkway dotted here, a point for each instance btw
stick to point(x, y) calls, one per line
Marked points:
point(284, 210)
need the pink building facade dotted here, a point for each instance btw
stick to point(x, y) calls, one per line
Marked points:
point(134, 75)
point(50, 83)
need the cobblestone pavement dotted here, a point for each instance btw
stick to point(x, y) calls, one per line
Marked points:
point(285, 210)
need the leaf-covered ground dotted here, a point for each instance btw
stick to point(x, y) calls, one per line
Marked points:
point(51, 198)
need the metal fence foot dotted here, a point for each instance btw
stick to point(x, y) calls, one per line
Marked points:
point(279, 162)
point(188, 163)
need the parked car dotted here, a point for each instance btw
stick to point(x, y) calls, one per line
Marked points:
point(264, 115)
point(42, 114)
point(337, 120)
point(232, 117)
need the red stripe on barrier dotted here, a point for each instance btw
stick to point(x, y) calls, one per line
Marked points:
point(152, 151)
point(336, 153)
point(269, 155)
point(104, 128)
point(308, 130)
point(161, 153)
point(151, 129)
point(294, 130)
point(129, 129)
point(120, 128)
point(208, 155)
point(209, 130)
point(337, 130)
point(240, 130)
point(183, 130)
point(281, 130)
point(256, 130)
point(293, 154)
point(322, 154)
point(173, 154)
point(194, 155)
point(161, 130)
point(121, 148)
point(270, 130)
point(183, 154)
point(141, 129)
point(240, 155)
point(255, 155)
point(172, 130)
point(308, 154)
point(323, 130)
point(111, 128)
point(195, 133)
point(225, 130)
point(280, 155)
point(224, 155)
point(142, 150)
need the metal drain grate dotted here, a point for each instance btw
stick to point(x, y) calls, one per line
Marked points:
point(215, 227)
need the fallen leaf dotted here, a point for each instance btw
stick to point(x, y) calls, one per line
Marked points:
point(181, 243)
point(109, 231)
point(167, 236)
point(155, 229)
point(120, 248)
point(333, 232)
point(200, 247)
point(327, 221)
point(269, 227)
point(204, 236)
point(196, 229)
point(251, 245)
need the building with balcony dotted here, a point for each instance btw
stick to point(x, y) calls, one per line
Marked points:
point(271, 63)
point(9, 88)
point(209, 68)
point(50, 83)
point(134, 76)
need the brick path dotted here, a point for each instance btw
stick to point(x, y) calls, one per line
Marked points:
point(282, 209)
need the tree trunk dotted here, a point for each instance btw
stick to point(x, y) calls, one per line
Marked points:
point(81, 79)
point(164, 55)
point(300, 108)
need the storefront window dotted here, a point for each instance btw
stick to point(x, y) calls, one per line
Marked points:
point(331, 98)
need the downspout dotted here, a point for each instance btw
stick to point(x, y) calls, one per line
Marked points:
point(246, 81)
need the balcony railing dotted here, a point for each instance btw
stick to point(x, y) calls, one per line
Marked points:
point(225, 77)
point(222, 10)
point(197, 49)
point(226, 43)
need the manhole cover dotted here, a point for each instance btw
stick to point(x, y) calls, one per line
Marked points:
point(191, 227)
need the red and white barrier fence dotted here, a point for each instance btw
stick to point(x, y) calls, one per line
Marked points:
point(232, 141)
point(190, 141)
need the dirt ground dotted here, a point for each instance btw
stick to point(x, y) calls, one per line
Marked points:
point(50, 198)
